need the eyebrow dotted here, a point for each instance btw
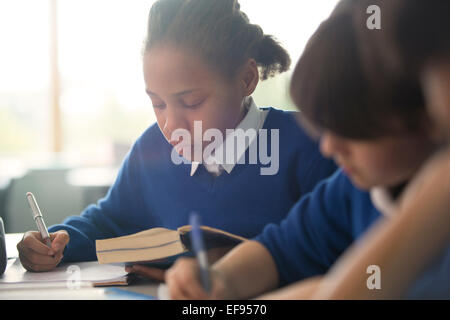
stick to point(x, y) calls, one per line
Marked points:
point(178, 94)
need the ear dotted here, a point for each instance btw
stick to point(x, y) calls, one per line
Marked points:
point(249, 77)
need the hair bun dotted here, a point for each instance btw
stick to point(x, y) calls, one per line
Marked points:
point(225, 38)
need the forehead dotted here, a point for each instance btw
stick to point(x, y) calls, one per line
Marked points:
point(168, 68)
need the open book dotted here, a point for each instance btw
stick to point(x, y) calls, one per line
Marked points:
point(160, 246)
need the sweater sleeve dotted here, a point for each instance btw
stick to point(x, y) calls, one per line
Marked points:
point(314, 233)
point(115, 215)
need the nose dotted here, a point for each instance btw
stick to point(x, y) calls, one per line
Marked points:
point(331, 145)
point(172, 122)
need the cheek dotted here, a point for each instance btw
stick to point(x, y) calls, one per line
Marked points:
point(395, 166)
point(375, 166)
point(374, 169)
point(161, 120)
point(221, 114)
point(384, 168)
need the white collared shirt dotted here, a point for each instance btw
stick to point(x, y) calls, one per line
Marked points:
point(254, 119)
point(383, 201)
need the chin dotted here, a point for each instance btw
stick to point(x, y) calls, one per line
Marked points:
point(362, 183)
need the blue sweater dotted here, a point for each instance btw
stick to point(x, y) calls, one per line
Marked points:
point(323, 224)
point(151, 191)
point(318, 229)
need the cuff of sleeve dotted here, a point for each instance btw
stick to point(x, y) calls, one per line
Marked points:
point(76, 250)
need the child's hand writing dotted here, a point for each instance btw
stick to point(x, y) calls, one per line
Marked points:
point(183, 282)
point(36, 256)
point(159, 274)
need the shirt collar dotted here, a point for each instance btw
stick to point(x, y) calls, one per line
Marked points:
point(254, 119)
point(383, 201)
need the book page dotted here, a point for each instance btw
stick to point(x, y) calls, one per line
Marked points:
point(148, 245)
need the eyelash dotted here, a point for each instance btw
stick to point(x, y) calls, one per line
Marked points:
point(162, 106)
point(192, 106)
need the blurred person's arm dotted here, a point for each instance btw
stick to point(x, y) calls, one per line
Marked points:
point(402, 246)
point(302, 290)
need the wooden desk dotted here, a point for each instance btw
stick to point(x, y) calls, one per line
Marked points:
point(40, 291)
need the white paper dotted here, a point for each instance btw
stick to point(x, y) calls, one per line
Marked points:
point(163, 292)
point(71, 274)
point(12, 239)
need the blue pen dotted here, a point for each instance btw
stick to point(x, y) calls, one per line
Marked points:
point(200, 251)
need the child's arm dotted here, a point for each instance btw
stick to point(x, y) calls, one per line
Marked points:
point(246, 271)
point(403, 246)
point(302, 246)
point(302, 290)
point(114, 215)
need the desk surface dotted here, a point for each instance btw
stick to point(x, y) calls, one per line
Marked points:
point(40, 291)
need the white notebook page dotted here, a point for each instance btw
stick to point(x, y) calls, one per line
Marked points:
point(69, 274)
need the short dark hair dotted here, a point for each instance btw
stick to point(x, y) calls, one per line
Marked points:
point(219, 31)
point(421, 31)
point(331, 87)
point(414, 33)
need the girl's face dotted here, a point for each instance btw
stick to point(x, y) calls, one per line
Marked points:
point(436, 83)
point(385, 162)
point(184, 89)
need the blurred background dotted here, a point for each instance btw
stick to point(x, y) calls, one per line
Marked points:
point(72, 95)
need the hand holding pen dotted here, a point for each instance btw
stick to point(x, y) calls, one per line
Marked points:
point(199, 249)
point(38, 250)
point(193, 278)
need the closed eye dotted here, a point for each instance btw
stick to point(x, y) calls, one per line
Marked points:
point(159, 106)
point(192, 105)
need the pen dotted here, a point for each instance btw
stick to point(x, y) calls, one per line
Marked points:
point(200, 251)
point(37, 215)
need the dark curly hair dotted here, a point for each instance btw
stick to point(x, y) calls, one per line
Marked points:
point(219, 31)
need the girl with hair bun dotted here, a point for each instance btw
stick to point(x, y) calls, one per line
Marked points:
point(202, 61)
